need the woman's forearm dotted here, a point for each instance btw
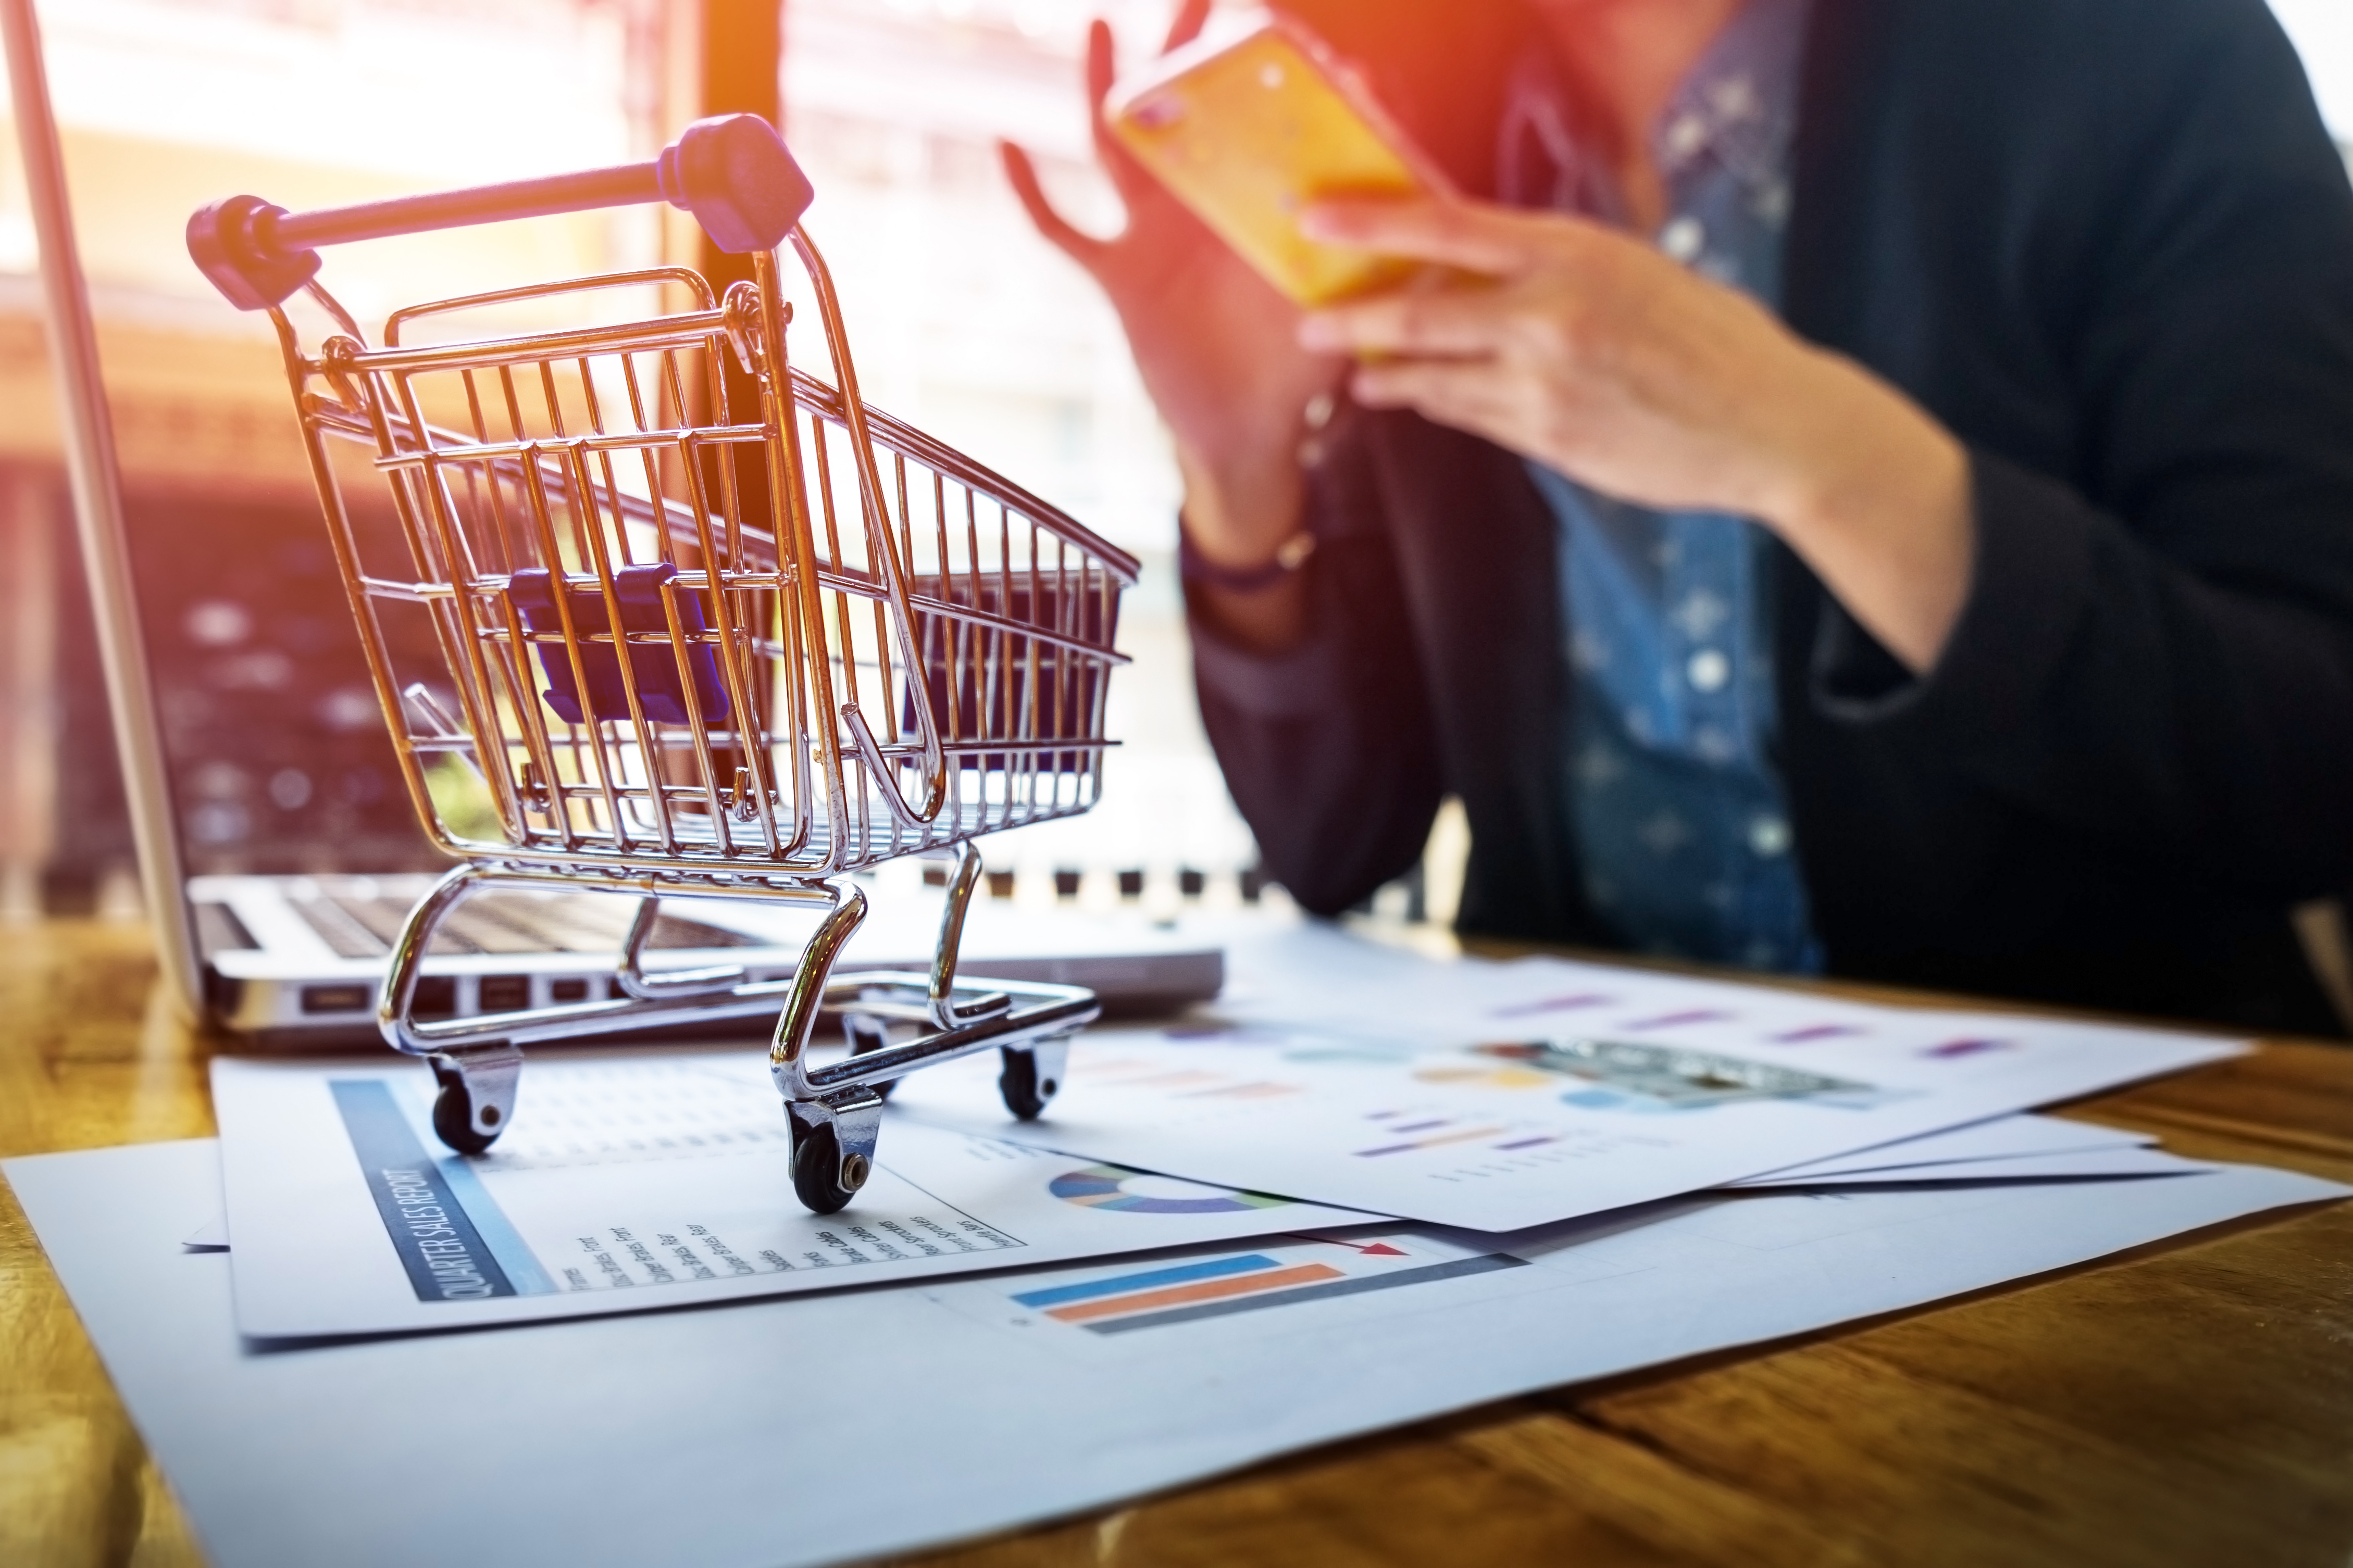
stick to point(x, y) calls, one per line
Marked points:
point(1240, 510)
point(1875, 499)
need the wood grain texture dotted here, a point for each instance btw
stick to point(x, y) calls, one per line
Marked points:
point(87, 1060)
point(2184, 1404)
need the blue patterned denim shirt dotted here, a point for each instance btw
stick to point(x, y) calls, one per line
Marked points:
point(1678, 810)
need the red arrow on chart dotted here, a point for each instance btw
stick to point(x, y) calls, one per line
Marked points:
point(1378, 1249)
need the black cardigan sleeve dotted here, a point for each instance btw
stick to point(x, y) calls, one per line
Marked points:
point(2158, 653)
point(1328, 747)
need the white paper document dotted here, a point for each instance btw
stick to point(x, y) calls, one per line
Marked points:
point(1519, 1102)
point(852, 1423)
point(1317, 976)
point(630, 1181)
point(2125, 1159)
point(2003, 1138)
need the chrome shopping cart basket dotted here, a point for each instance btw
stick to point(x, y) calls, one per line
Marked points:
point(696, 622)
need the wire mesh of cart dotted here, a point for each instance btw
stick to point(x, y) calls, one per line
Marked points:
point(700, 624)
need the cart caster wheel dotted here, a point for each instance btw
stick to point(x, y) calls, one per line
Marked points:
point(453, 1118)
point(822, 1179)
point(1028, 1083)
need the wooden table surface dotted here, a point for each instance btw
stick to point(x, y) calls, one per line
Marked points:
point(2188, 1402)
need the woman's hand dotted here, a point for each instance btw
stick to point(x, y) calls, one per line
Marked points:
point(1218, 348)
point(1587, 350)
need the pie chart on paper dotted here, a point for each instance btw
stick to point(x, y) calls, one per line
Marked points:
point(1117, 1188)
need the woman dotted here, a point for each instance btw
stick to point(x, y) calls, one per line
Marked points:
point(1883, 504)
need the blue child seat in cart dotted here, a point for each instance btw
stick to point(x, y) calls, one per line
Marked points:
point(697, 643)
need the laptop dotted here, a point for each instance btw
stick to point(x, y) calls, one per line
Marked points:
point(296, 961)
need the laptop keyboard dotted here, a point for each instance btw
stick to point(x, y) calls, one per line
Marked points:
point(502, 923)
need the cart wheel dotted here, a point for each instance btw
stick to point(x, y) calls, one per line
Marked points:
point(453, 1118)
point(818, 1174)
point(1025, 1091)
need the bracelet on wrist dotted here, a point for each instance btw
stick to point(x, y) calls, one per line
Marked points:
point(1289, 557)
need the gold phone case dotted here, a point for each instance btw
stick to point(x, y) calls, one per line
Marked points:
point(1247, 133)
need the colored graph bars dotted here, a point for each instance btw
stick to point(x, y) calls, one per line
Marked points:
point(1242, 1282)
point(1408, 1130)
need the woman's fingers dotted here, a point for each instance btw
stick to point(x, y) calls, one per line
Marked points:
point(1470, 396)
point(1082, 248)
point(1453, 234)
point(1186, 24)
point(1127, 176)
point(1101, 62)
point(1454, 322)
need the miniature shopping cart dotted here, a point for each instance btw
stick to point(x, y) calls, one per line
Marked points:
point(695, 623)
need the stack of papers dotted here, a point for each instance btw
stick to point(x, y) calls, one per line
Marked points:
point(1499, 1096)
point(1364, 1189)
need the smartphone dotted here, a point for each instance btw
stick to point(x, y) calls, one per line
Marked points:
point(1247, 130)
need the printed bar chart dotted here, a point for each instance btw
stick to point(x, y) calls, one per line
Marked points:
point(1242, 1282)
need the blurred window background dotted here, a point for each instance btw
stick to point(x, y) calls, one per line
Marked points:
point(279, 757)
point(962, 320)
